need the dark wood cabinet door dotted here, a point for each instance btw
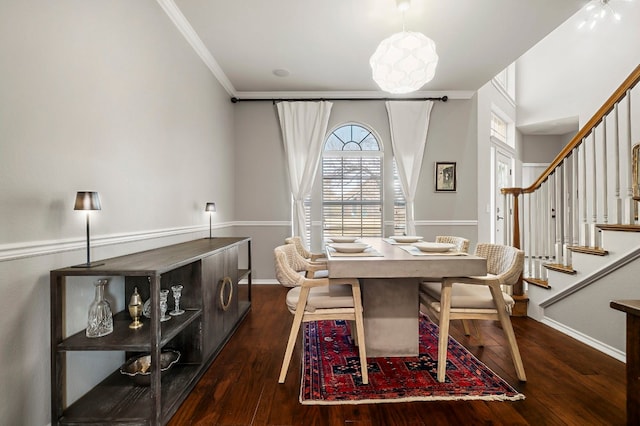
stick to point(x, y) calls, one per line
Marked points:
point(229, 291)
point(213, 322)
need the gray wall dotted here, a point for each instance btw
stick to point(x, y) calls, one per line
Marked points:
point(571, 72)
point(543, 148)
point(104, 96)
point(262, 188)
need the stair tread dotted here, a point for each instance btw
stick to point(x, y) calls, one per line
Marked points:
point(538, 282)
point(623, 228)
point(558, 267)
point(598, 251)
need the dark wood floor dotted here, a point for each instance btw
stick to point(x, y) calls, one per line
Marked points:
point(568, 382)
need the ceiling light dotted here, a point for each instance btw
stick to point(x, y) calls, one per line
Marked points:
point(405, 61)
point(597, 10)
point(281, 72)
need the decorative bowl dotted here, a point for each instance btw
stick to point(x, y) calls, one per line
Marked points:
point(434, 247)
point(139, 367)
point(343, 239)
point(349, 247)
point(405, 238)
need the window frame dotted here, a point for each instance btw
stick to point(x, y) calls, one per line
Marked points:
point(327, 154)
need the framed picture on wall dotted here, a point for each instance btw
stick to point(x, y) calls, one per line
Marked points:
point(445, 176)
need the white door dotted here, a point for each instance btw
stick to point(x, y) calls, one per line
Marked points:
point(503, 178)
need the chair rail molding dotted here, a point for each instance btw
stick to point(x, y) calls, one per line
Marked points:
point(15, 251)
point(447, 222)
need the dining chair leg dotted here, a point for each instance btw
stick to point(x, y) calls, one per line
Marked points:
point(443, 336)
point(475, 331)
point(357, 304)
point(354, 332)
point(466, 324)
point(503, 315)
point(295, 328)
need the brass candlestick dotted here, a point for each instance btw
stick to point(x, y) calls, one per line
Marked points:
point(135, 309)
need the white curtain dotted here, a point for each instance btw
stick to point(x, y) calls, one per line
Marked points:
point(409, 122)
point(304, 125)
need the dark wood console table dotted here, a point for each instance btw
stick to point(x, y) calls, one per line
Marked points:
point(215, 303)
point(632, 308)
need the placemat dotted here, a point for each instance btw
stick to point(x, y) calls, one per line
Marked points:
point(415, 251)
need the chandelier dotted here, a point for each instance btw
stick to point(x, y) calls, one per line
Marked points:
point(598, 10)
point(405, 61)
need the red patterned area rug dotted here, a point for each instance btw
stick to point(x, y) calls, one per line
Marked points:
point(331, 371)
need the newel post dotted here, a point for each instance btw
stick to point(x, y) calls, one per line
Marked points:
point(519, 295)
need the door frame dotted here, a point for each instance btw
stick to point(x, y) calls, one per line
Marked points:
point(497, 151)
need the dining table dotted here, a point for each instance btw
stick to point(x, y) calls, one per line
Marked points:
point(390, 274)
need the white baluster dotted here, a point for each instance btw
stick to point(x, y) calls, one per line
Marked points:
point(566, 216)
point(594, 190)
point(605, 175)
point(629, 204)
point(544, 224)
point(575, 198)
point(616, 136)
point(546, 231)
point(529, 198)
point(556, 215)
point(585, 226)
point(538, 239)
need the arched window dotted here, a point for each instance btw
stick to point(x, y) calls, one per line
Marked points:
point(352, 183)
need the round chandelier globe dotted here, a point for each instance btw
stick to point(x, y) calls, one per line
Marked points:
point(404, 62)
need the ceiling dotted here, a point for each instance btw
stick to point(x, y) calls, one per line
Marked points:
point(325, 45)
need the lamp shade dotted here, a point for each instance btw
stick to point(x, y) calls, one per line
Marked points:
point(404, 62)
point(87, 200)
point(210, 207)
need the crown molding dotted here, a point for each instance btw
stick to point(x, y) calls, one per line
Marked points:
point(185, 28)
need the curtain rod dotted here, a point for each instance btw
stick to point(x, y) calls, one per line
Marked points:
point(236, 100)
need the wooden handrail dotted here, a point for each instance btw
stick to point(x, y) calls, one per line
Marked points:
point(628, 84)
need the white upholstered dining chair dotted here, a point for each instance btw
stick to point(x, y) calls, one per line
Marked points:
point(317, 260)
point(314, 257)
point(300, 264)
point(461, 244)
point(471, 298)
point(315, 299)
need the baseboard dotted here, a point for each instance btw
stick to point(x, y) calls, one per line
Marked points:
point(263, 281)
point(587, 340)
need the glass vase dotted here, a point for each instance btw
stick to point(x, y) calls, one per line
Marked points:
point(164, 305)
point(100, 321)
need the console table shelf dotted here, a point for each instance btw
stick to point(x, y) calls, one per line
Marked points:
point(116, 400)
point(214, 301)
point(123, 338)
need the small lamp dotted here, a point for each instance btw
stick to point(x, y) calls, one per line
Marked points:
point(87, 200)
point(211, 208)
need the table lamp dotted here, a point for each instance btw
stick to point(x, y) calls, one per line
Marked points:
point(211, 208)
point(87, 201)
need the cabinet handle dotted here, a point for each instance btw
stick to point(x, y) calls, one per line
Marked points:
point(225, 305)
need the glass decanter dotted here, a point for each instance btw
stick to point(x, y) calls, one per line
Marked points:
point(100, 319)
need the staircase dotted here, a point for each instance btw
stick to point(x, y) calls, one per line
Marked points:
point(579, 227)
